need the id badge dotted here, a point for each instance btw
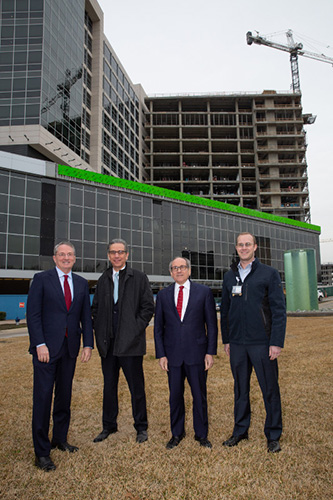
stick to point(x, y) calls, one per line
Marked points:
point(237, 290)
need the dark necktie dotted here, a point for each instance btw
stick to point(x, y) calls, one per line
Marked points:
point(180, 301)
point(67, 292)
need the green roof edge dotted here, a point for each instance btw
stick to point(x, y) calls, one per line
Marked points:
point(109, 180)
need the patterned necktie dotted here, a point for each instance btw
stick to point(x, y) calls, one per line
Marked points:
point(180, 301)
point(115, 287)
point(67, 292)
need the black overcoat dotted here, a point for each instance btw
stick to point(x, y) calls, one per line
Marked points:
point(136, 308)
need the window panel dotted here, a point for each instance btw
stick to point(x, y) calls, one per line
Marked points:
point(14, 261)
point(15, 224)
point(147, 239)
point(77, 197)
point(3, 223)
point(75, 231)
point(33, 208)
point(89, 216)
point(102, 218)
point(16, 205)
point(89, 250)
point(62, 212)
point(102, 234)
point(3, 202)
point(89, 233)
point(17, 186)
point(31, 245)
point(76, 214)
point(31, 262)
point(15, 244)
point(4, 183)
point(33, 189)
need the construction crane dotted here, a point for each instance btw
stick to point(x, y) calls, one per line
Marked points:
point(294, 49)
point(63, 92)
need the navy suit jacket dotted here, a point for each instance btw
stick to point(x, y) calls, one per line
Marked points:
point(186, 341)
point(48, 318)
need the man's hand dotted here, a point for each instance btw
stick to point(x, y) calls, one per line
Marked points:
point(227, 349)
point(209, 361)
point(43, 354)
point(274, 352)
point(163, 362)
point(86, 354)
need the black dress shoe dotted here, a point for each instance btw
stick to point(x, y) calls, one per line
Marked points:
point(174, 441)
point(204, 442)
point(103, 435)
point(273, 446)
point(142, 436)
point(234, 440)
point(64, 446)
point(44, 463)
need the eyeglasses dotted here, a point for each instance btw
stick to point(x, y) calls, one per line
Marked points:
point(115, 252)
point(62, 254)
point(180, 268)
point(242, 245)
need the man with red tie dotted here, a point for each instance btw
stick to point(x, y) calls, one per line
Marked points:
point(58, 314)
point(185, 331)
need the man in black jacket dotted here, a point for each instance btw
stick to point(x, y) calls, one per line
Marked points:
point(253, 324)
point(122, 307)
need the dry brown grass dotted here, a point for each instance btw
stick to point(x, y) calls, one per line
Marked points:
point(120, 469)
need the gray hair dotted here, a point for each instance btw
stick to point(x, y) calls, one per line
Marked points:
point(68, 243)
point(188, 262)
point(118, 240)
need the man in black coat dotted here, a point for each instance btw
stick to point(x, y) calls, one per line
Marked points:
point(122, 307)
point(253, 325)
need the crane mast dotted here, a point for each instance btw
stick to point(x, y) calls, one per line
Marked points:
point(63, 92)
point(294, 49)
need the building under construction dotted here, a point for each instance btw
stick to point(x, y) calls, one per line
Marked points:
point(244, 149)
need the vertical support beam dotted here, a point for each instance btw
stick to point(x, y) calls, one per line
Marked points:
point(295, 72)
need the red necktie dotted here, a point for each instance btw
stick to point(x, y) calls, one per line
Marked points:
point(67, 292)
point(180, 301)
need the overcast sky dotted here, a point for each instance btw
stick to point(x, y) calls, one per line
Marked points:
point(192, 46)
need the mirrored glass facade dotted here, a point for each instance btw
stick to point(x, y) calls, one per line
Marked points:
point(40, 71)
point(58, 71)
point(121, 122)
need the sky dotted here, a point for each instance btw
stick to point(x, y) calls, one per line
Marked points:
point(196, 46)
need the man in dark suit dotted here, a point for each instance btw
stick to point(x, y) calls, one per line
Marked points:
point(58, 314)
point(122, 307)
point(253, 325)
point(185, 331)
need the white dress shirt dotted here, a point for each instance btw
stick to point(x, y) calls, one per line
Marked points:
point(61, 275)
point(243, 272)
point(186, 295)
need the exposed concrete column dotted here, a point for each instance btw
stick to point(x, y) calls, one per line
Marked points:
point(210, 160)
point(180, 135)
point(239, 152)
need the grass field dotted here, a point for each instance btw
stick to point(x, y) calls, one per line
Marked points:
point(121, 469)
